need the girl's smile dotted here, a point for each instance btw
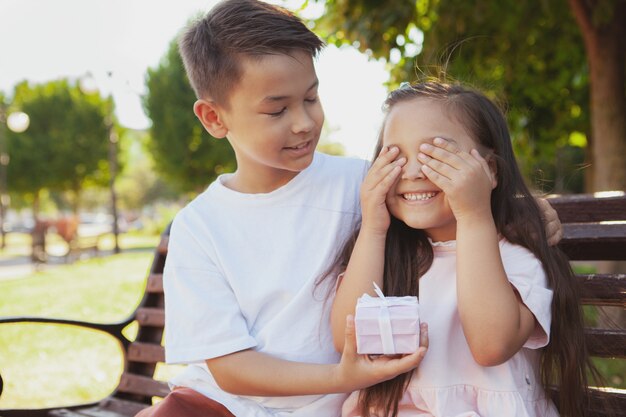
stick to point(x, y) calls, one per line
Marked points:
point(422, 197)
point(415, 199)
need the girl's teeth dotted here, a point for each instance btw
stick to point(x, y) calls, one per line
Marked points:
point(419, 196)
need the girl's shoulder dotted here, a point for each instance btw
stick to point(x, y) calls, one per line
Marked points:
point(514, 252)
point(521, 265)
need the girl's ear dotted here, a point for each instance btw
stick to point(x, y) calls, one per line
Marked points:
point(209, 115)
point(493, 167)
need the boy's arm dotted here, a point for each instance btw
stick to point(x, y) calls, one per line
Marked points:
point(253, 373)
point(368, 255)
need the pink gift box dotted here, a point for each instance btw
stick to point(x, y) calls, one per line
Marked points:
point(387, 325)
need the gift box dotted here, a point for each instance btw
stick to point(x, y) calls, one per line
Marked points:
point(386, 325)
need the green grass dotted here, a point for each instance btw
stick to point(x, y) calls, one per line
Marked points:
point(49, 365)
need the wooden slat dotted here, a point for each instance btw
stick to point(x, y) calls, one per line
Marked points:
point(123, 407)
point(162, 248)
point(603, 289)
point(146, 352)
point(594, 241)
point(607, 343)
point(150, 316)
point(88, 412)
point(155, 284)
point(602, 402)
point(587, 208)
point(142, 385)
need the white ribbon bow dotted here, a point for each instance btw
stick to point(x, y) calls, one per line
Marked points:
point(384, 323)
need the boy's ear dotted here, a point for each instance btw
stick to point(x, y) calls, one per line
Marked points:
point(209, 115)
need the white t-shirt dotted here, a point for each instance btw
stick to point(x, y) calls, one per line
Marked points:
point(449, 382)
point(241, 273)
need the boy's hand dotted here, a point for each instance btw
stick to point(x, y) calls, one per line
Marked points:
point(356, 371)
point(554, 230)
point(465, 178)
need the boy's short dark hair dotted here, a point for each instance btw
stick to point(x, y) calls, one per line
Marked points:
point(212, 47)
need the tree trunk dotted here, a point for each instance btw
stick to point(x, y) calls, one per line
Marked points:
point(605, 46)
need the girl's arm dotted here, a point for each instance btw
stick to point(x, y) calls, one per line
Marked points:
point(368, 255)
point(253, 373)
point(495, 321)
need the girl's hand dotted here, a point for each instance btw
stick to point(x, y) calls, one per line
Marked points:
point(380, 178)
point(465, 178)
point(356, 371)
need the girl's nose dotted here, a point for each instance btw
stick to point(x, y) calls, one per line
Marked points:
point(412, 170)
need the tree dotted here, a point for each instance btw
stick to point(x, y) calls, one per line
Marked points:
point(184, 153)
point(527, 53)
point(66, 143)
point(603, 26)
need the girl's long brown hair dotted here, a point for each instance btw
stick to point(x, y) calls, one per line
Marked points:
point(408, 254)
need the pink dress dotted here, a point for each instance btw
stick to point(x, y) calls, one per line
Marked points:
point(449, 382)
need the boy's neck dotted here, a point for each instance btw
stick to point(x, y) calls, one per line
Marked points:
point(257, 184)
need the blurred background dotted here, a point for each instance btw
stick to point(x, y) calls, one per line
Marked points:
point(99, 146)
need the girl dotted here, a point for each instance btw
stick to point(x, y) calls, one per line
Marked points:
point(447, 217)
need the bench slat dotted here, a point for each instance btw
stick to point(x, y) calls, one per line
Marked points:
point(155, 284)
point(123, 407)
point(142, 385)
point(582, 208)
point(603, 289)
point(594, 241)
point(162, 248)
point(87, 412)
point(606, 343)
point(146, 352)
point(600, 402)
point(151, 316)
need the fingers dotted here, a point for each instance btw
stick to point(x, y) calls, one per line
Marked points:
point(554, 232)
point(385, 168)
point(423, 347)
point(424, 335)
point(445, 151)
point(554, 229)
point(554, 235)
point(349, 347)
point(386, 156)
point(485, 165)
point(407, 362)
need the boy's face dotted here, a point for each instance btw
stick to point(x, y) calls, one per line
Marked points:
point(273, 121)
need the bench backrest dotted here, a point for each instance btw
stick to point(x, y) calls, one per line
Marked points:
point(594, 229)
point(137, 384)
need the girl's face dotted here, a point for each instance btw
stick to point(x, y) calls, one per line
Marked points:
point(414, 199)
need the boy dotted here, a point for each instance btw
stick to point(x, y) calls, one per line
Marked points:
point(244, 304)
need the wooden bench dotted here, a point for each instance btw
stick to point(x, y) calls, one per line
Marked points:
point(585, 238)
point(83, 243)
point(594, 229)
point(137, 385)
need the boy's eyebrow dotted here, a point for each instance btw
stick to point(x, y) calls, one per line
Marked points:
point(279, 98)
